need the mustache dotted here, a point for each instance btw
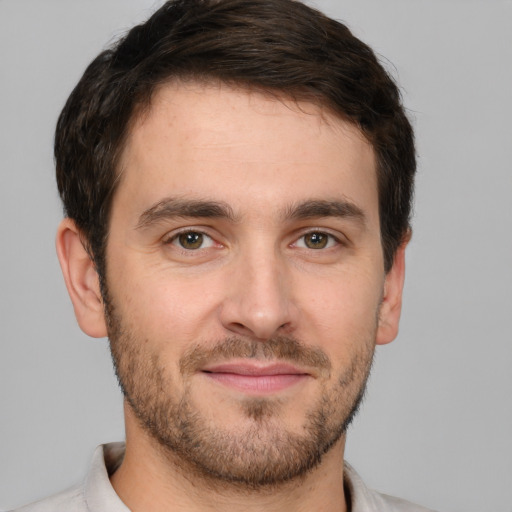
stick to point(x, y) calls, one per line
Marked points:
point(283, 348)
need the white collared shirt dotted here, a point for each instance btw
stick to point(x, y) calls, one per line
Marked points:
point(96, 494)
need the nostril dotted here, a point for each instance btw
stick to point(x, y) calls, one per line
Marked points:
point(240, 328)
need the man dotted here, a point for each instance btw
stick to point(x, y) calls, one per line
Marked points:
point(237, 179)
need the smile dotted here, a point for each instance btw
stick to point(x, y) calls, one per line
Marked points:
point(256, 379)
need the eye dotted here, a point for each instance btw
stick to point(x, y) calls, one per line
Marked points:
point(316, 240)
point(192, 240)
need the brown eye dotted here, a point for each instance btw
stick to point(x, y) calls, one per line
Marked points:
point(316, 240)
point(191, 240)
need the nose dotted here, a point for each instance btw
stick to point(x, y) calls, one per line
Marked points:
point(259, 302)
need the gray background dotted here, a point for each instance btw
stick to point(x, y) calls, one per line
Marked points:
point(436, 427)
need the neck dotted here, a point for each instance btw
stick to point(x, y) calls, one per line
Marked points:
point(152, 480)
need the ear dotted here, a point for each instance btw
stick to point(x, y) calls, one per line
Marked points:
point(81, 279)
point(391, 305)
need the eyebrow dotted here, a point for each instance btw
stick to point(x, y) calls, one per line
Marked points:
point(325, 208)
point(170, 208)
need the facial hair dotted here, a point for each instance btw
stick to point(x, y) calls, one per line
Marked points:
point(257, 452)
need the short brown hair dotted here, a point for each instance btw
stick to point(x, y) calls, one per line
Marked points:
point(279, 46)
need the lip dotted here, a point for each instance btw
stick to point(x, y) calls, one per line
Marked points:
point(253, 378)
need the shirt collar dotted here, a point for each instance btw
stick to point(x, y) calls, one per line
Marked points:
point(99, 493)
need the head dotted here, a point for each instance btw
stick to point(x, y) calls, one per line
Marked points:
point(240, 175)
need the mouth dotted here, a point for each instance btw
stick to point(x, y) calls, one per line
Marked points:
point(254, 378)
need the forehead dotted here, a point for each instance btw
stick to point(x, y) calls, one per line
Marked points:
point(201, 140)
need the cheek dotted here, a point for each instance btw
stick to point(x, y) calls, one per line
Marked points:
point(344, 312)
point(165, 307)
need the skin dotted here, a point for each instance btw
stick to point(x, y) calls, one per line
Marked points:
point(255, 278)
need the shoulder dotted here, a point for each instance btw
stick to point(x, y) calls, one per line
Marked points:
point(95, 494)
point(71, 500)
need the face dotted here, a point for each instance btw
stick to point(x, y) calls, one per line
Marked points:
point(245, 280)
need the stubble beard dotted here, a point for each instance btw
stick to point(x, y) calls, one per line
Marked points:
point(258, 453)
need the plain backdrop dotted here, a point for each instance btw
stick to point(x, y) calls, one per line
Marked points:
point(436, 427)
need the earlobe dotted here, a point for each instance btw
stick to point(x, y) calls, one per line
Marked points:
point(391, 305)
point(81, 279)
